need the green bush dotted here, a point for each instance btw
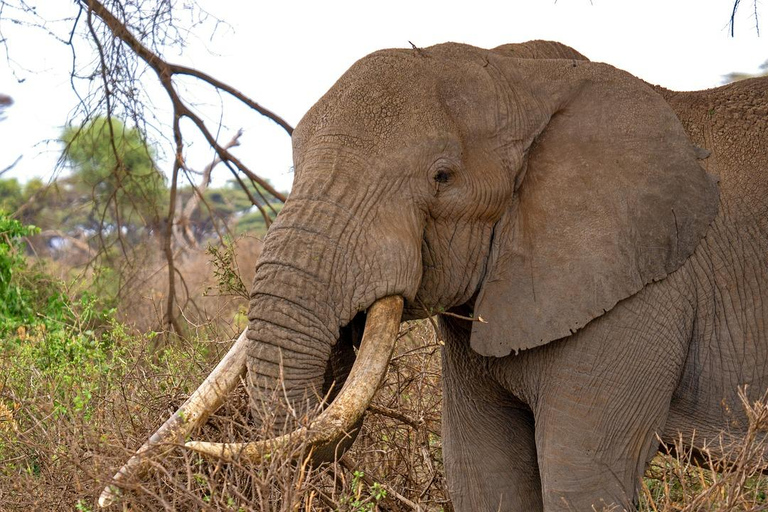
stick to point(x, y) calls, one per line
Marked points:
point(16, 301)
point(49, 339)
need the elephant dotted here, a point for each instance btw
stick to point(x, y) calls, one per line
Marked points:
point(600, 245)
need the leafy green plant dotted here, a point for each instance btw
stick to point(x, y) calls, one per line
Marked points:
point(82, 507)
point(364, 497)
point(225, 270)
point(59, 342)
point(16, 302)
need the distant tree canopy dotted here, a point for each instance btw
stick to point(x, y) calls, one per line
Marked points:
point(736, 75)
point(5, 102)
point(228, 209)
point(11, 195)
point(115, 165)
point(114, 194)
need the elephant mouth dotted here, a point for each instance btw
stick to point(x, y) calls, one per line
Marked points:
point(342, 357)
point(323, 434)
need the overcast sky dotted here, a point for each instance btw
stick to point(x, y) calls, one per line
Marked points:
point(285, 55)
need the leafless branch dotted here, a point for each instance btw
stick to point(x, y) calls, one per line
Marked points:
point(395, 415)
point(199, 191)
point(734, 10)
point(165, 73)
point(8, 168)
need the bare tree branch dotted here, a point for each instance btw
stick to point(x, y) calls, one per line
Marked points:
point(165, 73)
point(166, 70)
point(734, 10)
point(8, 168)
point(197, 196)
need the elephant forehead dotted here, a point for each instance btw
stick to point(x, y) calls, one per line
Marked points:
point(384, 98)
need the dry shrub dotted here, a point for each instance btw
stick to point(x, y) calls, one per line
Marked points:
point(139, 282)
point(60, 458)
point(61, 461)
point(200, 300)
point(399, 446)
point(727, 476)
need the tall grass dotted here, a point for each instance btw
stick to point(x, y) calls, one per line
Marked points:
point(725, 476)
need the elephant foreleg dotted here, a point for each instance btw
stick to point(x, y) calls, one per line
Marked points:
point(603, 398)
point(488, 436)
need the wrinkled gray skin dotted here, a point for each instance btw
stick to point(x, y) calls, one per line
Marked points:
point(567, 203)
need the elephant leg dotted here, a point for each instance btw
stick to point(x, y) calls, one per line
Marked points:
point(604, 395)
point(488, 436)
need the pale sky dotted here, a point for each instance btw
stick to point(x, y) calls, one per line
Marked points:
point(285, 55)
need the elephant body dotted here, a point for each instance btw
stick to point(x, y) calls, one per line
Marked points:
point(620, 271)
point(666, 361)
point(729, 344)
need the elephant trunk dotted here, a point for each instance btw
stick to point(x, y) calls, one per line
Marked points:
point(331, 429)
point(324, 263)
point(323, 435)
point(310, 283)
point(298, 309)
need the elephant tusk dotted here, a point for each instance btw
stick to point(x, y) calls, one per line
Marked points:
point(193, 413)
point(336, 422)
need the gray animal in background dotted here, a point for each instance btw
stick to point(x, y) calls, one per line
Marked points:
point(612, 236)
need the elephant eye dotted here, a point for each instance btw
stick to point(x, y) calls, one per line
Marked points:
point(442, 176)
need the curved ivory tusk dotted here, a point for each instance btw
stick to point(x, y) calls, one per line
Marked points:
point(339, 419)
point(193, 413)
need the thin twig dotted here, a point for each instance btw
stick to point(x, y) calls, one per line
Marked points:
point(18, 159)
point(396, 415)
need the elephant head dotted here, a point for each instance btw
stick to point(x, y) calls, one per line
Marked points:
point(524, 186)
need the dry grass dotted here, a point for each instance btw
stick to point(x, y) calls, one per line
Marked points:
point(59, 458)
point(140, 283)
point(56, 461)
point(200, 301)
point(684, 479)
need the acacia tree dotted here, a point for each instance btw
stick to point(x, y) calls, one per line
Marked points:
point(5, 102)
point(128, 40)
point(738, 75)
point(114, 165)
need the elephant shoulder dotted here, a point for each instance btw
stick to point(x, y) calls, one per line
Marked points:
point(539, 49)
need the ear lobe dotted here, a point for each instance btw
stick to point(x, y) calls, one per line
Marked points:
point(613, 198)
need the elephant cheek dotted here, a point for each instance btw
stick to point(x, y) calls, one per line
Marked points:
point(454, 260)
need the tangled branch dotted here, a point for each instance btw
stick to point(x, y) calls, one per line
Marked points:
point(166, 72)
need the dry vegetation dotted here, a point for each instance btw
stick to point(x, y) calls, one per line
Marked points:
point(63, 434)
point(685, 480)
point(62, 461)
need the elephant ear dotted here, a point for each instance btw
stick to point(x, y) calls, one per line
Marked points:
point(612, 198)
